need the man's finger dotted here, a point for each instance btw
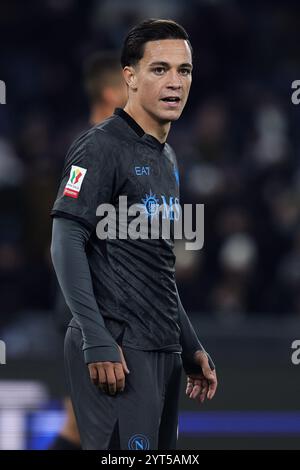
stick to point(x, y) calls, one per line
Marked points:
point(189, 386)
point(102, 379)
point(93, 374)
point(213, 383)
point(196, 389)
point(204, 391)
point(110, 378)
point(120, 377)
point(211, 377)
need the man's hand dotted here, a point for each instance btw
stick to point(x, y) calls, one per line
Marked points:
point(204, 384)
point(109, 376)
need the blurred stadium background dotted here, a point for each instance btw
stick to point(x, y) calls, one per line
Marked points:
point(238, 145)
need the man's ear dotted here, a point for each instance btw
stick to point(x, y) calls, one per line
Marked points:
point(129, 74)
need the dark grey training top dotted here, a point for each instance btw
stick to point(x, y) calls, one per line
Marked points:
point(132, 281)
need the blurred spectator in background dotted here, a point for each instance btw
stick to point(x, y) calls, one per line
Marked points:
point(106, 90)
point(104, 85)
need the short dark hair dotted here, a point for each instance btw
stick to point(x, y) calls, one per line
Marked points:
point(98, 70)
point(149, 30)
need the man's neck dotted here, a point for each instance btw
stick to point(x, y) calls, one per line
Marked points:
point(147, 123)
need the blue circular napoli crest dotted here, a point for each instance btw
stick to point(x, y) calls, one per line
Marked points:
point(138, 442)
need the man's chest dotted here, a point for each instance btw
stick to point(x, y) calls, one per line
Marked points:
point(151, 180)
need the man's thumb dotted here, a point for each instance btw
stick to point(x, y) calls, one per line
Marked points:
point(126, 370)
point(125, 366)
point(207, 372)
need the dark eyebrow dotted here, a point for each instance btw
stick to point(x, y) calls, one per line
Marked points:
point(165, 64)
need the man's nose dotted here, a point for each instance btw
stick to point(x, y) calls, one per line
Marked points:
point(174, 81)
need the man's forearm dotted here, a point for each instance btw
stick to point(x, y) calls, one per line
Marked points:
point(189, 341)
point(69, 258)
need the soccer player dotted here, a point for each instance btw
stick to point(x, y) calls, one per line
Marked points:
point(129, 336)
point(105, 88)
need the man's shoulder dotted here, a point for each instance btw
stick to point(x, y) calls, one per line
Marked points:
point(114, 130)
point(103, 137)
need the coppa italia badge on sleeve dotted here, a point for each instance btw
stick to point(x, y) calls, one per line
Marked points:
point(75, 181)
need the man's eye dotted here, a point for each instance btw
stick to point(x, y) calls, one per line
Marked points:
point(159, 70)
point(185, 71)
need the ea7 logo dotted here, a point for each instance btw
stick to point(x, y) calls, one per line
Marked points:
point(2, 352)
point(296, 354)
point(142, 170)
point(2, 92)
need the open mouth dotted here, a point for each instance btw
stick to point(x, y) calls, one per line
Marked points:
point(171, 99)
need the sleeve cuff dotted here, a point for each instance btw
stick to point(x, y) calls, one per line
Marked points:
point(189, 364)
point(102, 354)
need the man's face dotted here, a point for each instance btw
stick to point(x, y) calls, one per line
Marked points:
point(163, 78)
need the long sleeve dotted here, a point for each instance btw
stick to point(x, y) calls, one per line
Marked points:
point(189, 341)
point(69, 239)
